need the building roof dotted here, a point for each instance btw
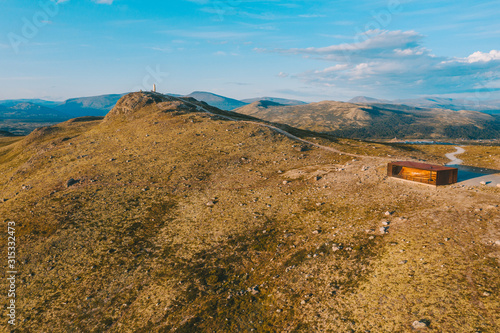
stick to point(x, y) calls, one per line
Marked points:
point(422, 166)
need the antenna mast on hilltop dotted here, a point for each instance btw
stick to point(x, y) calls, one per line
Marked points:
point(154, 87)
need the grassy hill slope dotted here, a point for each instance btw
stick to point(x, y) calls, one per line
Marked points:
point(162, 218)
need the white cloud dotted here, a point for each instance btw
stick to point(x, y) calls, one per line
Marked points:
point(483, 57)
point(370, 43)
point(396, 62)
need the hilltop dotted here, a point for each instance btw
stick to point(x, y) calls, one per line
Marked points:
point(169, 215)
point(378, 121)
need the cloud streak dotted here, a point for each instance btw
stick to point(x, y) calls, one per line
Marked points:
point(380, 61)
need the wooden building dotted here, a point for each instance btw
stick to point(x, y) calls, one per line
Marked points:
point(423, 173)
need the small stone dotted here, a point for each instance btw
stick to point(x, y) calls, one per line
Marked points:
point(279, 171)
point(320, 204)
point(383, 230)
point(316, 178)
point(447, 239)
point(317, 231)
point(71, 182)
point(497, 243)
point(386, 223)
point(388, 213)
point(112, 159)
point(285, 182)
point(402, 262)
point(303, 302)
point(419, 325)
point(254, 290)
point(486, 294)
point(210, 204)
point(371, 237)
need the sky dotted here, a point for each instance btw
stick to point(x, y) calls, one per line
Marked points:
point(307, 50)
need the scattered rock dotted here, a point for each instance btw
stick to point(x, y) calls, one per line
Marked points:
point(112, 159)
point(336, 247)
point(320, 204)
point(419, 325)
point(285, 182)
point(388, 213)
point(317, 231)
point(254, 290)
point(316, 178)
point(210, 204)
point(482, 182)
point(402, 262)
point(386, 222)
point(383, 229)
point(486, 294)
point(302, 148)
point(71, 182)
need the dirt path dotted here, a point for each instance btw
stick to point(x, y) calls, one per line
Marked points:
point(454, 160)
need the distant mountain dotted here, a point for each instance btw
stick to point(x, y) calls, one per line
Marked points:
point(366, 100)
point(378, 120)
point(89, 106)
point(490, 107)
point(27, 111)
point(12, 102)
point(5, 133)
point(221, 102)
point(283, 101)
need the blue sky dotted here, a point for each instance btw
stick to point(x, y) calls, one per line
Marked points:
point(309, 50)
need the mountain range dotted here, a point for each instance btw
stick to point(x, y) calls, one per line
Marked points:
point(378, 121)
point(362, 117)
point(100, 106)
point(488, 106)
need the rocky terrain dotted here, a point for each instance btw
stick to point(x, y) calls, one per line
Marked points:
point(169, 215)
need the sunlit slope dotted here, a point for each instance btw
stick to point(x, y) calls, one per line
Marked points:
point(162, 218)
